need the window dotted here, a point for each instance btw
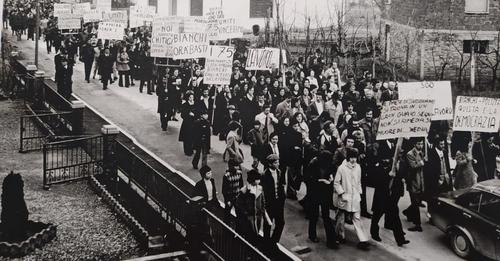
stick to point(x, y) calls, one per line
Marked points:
point(477, 6)
point(490, 207)
point(196, 7)
point(479, 46)
point(470, 200)
point(260, 8)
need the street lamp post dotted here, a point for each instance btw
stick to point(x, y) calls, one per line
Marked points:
point(37, 35)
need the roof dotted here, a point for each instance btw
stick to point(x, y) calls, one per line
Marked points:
point(491, 186)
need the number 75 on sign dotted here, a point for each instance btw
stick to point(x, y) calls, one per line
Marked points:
point(220, 52)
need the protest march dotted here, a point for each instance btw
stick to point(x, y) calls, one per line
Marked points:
point(314, 134)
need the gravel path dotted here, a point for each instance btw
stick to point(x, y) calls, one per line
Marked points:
point(87, 229)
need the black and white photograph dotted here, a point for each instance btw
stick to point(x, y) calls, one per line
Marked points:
point(250, 130)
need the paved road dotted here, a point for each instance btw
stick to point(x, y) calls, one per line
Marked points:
point(135, 113)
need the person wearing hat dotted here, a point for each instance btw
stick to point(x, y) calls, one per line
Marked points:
point(206, 189)
point(87, 57)
point(201, 139)
point(273, 184)
point(232, 182)
point(251, 208)
point(63, 77)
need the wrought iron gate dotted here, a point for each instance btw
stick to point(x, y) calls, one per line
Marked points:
point(72, 159)
point(38, 129)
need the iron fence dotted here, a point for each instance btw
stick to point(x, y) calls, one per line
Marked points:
point(37, 129)
point(72, 159)
point(226, 244)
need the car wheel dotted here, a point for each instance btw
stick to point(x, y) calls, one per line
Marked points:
point(460, 244)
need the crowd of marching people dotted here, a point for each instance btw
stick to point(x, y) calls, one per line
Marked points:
point(306, 124)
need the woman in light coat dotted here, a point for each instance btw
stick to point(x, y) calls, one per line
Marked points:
point(122, 67)
point(347, 186)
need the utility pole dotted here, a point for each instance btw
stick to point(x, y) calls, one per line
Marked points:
point(37, 34)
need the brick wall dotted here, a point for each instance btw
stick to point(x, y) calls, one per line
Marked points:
point(442, 14)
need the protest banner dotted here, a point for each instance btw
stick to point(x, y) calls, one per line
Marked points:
point(164, 31)
point(263, 59)
point(141, 15)
point(62, 10)
point(193, 24)
point(93, 15)
point(219, 64)
point(103, 5)
point(479, 114)
point(79, 10)
point(190, 45)
point(220, 27)
point(405, 118)
point(440, 91)
point(116, 16)
point(111, 31)
point(68, 23)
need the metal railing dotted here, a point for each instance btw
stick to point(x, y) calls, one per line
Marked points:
point(72, 159)
point(37, 129)
point(226, 244)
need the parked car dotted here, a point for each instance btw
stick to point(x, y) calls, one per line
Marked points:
point(471, 219)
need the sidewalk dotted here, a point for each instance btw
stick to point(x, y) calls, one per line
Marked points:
point(135, 113)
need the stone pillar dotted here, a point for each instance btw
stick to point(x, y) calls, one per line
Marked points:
point(29, 83)
point(109, 159)
point(77, 117)
point(38, 89)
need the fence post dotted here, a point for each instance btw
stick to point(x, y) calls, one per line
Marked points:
point(109, 160)
point(29, 83)
point(194, 230)
point(38, 90)
point(77, 117)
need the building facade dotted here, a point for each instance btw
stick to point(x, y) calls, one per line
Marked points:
point(455, 40)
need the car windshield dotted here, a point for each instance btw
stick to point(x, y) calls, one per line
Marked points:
point(470, 200)
point(490, 207)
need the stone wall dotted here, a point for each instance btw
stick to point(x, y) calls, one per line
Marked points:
point(442, 14)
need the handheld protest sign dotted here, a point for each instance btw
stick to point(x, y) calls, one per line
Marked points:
point(405, 118)
point(479, 114)
point(439, 91)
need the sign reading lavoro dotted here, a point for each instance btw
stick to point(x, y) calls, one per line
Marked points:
point(219, 64)
point(405, 118)
point(479, 114)
point(263, 59)
point(440, 91)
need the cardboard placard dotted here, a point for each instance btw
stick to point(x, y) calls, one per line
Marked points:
point(221, 27)
point(405, 118)
point(190, 45)
point(440, 91)
point(104, 5)
point(141, 15)
point(71, 23)
point(94, 15)
point(480, 114)
point(115, 16)
point(111, 31)
point(79, 10)
point(63, 10)
point(263, 59)
point(164, 31)
point(219, 65)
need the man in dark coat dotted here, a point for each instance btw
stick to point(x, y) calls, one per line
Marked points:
point(87, 57)
point(163, 102)
point(106, 62)
point(63, 77)
point(388, 190)
point(147, 68)
point(206, 189)
point(273, 184)
point(201, 139)
point(321, 174)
